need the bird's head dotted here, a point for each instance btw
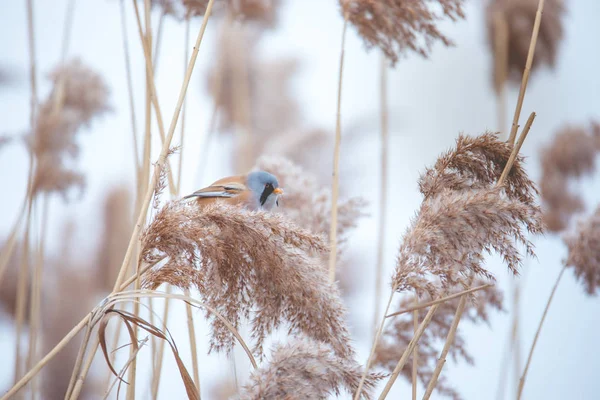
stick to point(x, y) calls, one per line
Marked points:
point(265, 188)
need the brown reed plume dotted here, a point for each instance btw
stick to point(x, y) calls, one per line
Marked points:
point(263, 12)
point(463, 215)
point(399, 26)
point(305, 369)
point(519, 17)
point(584, 252)
point(253, 265)
point(570, 155)
point(398, 335)
point(78, 96)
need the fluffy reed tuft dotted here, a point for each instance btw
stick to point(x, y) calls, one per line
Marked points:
point(584, 252)
point(260, 11)
point(398, 335)
point(571, 154)
point(463, 215)
point(397, 26)
point(78, 96)
point(519, 16)
point(254, 265)
point(305, 369)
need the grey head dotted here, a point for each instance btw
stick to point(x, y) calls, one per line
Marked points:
point(265, 189)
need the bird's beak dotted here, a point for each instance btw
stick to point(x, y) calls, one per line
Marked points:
point(278, 191)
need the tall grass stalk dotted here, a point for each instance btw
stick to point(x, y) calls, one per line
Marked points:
point(383, 187)
point(336, 163)
point(537, 335)
point(523, 89)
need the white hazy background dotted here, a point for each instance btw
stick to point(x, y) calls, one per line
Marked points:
point(430, 102)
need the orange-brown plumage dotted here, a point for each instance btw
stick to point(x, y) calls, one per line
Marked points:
point(255, 190)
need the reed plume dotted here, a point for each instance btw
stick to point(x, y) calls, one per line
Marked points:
point(519, 16)
point(305, 369)
point(464, 215)
point(398, 26)
point(263, 12)
point(77, 97)
point(584, 252)
point(253, 265)
point(397, 336)
point(571, 154)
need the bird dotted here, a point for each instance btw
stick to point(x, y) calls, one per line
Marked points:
point(257, 190)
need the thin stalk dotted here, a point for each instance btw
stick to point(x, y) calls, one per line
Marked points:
point(124, 369)
point(193, 347)
point(501, 68)
point(449, 341)
point(517, 148)
point(159, 34)
point(537, 335)
point(22, 285)
point(523, 89)
point(36, 288)
point(409, 349)
point(136, 156)
point(183, 113)
point(383, 187)
point(153, 95)
point(336, 164)
point(157, 367)
point(163, 155)
point(373, 348)
point(515, 334)
point(421, 306)
point(32, 64)
point(86, 369)
point(415, 365)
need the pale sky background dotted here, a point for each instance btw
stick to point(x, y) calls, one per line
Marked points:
point(431, 101)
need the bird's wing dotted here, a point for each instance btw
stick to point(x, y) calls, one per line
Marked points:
point(221, 188)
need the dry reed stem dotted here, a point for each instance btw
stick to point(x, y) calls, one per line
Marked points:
point(63, 342)
point(517, 148)
point(151, 87)
point(336, 165)
point(415, 366)
point(383, 188)
point(537, 335)
point(159, 33)
point(36, 288)
point(186, 55)
point(193, 347)
point(449, 341)
point(373, 348)
point(22, 284)
point(421, 306)
point(134, 132)
point(163, 155)
point(522, 90)
point(501, 59)
point(409, 349)
point(157, 367)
